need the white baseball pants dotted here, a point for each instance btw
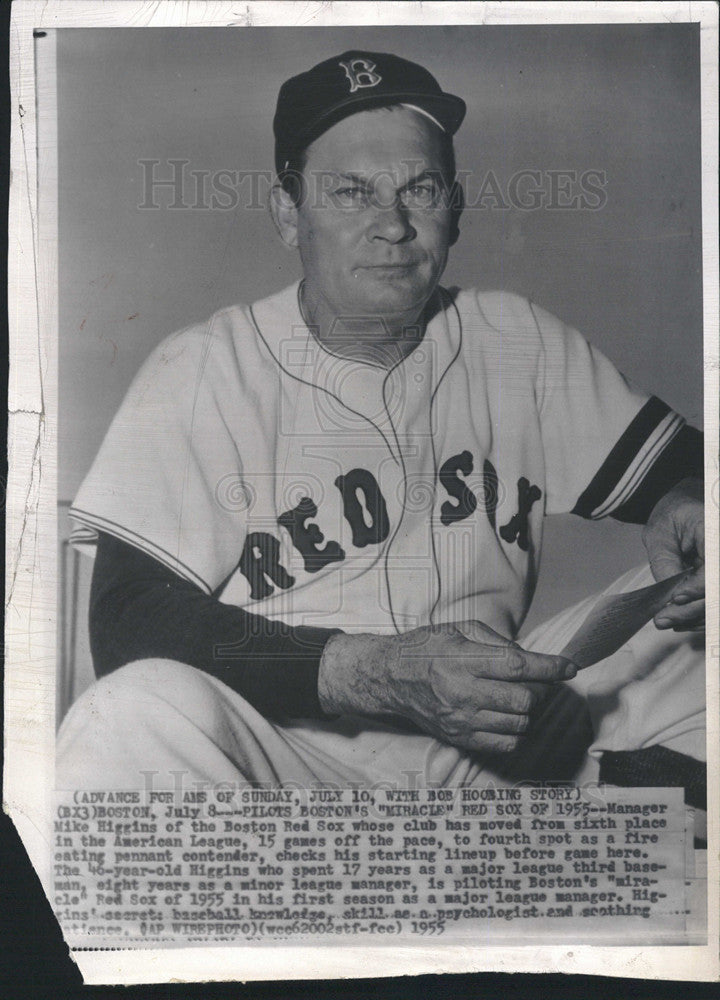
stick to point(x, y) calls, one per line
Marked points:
point(162, 724)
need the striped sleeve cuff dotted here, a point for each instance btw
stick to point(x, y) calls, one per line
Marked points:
point(87, 526)
point(656, 451)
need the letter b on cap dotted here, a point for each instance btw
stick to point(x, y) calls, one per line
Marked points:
point(360, 73)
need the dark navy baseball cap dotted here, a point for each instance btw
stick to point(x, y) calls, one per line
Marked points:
point(312, 102)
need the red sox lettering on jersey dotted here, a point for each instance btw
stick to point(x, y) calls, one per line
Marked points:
point(260, 559)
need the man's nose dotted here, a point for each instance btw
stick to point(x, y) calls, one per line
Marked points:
point(391, 223)
point(390, 217)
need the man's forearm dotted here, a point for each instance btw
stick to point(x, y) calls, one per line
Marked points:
point(353, 675)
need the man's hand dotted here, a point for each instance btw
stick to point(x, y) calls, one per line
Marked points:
point(462, 683)
point(675, 540)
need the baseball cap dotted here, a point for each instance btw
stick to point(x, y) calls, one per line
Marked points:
point(310, 103)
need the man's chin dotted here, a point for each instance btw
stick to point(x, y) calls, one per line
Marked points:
point(392, 294)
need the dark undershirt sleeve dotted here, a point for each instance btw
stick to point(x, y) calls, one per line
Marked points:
point(140, 609)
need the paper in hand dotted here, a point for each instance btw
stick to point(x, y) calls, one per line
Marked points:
point(616, 619)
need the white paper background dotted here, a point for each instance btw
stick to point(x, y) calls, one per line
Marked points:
point(32, 574)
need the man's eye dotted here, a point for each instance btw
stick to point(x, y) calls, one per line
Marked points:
point(419, 195)
point(350, 196)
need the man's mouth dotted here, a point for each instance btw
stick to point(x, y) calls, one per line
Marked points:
point(392, 268)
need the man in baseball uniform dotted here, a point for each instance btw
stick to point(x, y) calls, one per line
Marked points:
point(318, 519)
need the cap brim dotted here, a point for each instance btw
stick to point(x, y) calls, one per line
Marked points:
point(447, 109)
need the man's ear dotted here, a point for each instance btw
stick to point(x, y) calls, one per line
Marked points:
point(457, 204)
point(284, 214)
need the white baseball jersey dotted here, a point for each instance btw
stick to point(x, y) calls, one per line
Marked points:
point(316, 490)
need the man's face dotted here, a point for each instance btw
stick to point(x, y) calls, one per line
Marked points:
point(373, 227)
